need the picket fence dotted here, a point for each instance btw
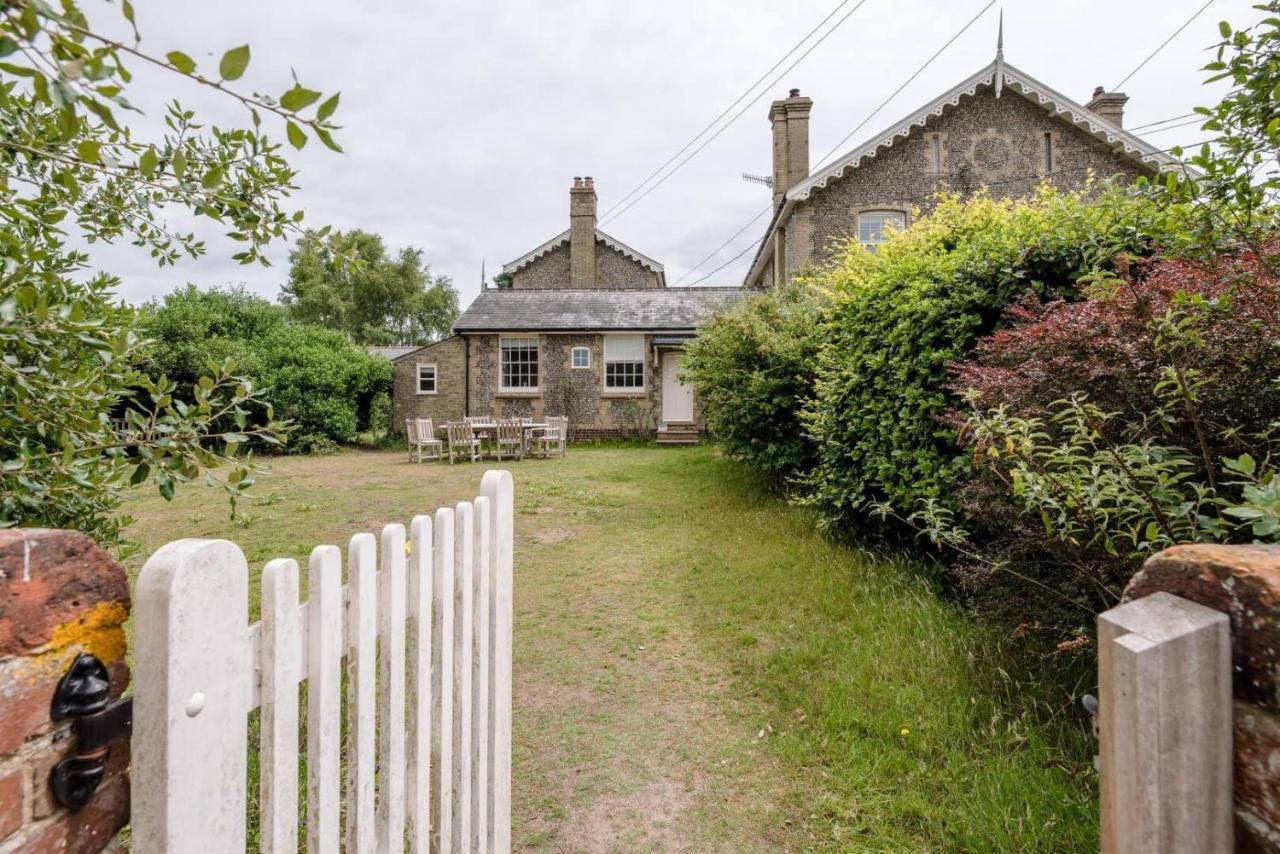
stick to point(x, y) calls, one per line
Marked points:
point(427, 709)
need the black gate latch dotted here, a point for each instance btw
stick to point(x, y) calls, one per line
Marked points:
point(83, 694)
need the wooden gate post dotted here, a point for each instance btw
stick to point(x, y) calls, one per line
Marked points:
point(193, 678)
point(1164, 679)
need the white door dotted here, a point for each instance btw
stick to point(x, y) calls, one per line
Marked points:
point(677, 398)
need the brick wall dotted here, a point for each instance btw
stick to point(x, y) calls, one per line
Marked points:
point(447, 404)
point(1244, 583)
point(60, 595)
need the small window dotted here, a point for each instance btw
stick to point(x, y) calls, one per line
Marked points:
point(624, 362)
point(426, 379)
point(519, 367)
point(935, 152)
point(1048, 153)
point(581, 357)
point(874, 227)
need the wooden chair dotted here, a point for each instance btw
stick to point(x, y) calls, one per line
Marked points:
point(462, 440)
point(477, 419)
point(554, 438)
point(426, 430)
point(509, 439)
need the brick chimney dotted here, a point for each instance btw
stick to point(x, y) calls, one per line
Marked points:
point(790, 120)
point(582, 234)
point(1108, 105)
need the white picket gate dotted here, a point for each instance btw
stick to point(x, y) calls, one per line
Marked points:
point(427, 646)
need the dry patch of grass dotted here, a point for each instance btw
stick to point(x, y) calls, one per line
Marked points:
point(695, 669)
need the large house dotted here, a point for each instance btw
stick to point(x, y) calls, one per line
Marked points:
point(588, 328)
point(1001, 129)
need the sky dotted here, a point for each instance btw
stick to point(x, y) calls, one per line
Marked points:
point(464, 123)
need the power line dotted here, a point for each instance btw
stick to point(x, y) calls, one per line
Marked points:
point(716, 251)
point(1163, 45)
point(1161, 122)
point(736, 115)
point(1196, 121)
point(861, 124)
point(726, 110)
point(907, 83)
point(749, 247)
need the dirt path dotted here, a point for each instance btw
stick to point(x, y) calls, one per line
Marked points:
point(627, 736)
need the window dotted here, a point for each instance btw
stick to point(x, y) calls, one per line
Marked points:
point(426, 379)
point(519, 364)
point(935, 152)
point(624, 362)
point(1048, 153)
point(581, 357)
point(874, 225)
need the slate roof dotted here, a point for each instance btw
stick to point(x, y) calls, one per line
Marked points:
point(392, 353)
point(651, 310)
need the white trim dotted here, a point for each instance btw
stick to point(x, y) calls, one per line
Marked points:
point(563, 238)
point(435, 379)
point(573, 365)
point(534, 389)
point(643, 362)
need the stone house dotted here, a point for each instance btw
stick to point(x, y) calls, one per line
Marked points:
point(1001, 129)
point(587, 329)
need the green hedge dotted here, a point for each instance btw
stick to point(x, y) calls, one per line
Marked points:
point(753, 367)
point(897, 318)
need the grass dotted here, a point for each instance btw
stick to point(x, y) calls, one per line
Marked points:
point(695, 668)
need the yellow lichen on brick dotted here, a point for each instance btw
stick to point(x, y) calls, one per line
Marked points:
point(99, 631)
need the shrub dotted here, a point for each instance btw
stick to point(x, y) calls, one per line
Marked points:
point(313, 377)
point(753, 368)
point(900, 316)
point(1140, 417)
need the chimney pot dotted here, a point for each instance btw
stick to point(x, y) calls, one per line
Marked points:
point(795, 93)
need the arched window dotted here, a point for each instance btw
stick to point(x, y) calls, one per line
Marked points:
point(873, 226)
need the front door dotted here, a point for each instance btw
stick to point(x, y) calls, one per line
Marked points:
point(677, 398)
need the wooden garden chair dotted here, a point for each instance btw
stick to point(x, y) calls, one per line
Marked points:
point(462, 440)
point(554, 438)
point(509, 439)
point(427, 439)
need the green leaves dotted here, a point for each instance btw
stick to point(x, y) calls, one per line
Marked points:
point(297, 138)
point(234, 62)
point(298, 98)
point(327, 108)
point(182, 62)
point(88, 150)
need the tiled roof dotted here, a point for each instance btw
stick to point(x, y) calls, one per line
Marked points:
point(656, 309)
point(391, 353)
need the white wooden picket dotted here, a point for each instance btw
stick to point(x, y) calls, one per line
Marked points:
point(424, 633)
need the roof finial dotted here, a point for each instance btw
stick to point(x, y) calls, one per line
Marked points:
point(999, 72)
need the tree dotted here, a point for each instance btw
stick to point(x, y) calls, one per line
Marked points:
point(347, 282)
point(315, 377)
point(79, 422)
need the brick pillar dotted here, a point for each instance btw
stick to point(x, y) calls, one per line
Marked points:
point(1244, 583)
point(60, 595)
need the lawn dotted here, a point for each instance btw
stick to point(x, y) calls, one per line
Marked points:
point(697, 669)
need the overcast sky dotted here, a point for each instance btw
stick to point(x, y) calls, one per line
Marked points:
point(465, 122)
